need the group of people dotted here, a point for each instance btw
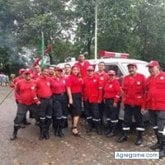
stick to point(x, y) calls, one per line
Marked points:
point(51, 94)
point(4, 79)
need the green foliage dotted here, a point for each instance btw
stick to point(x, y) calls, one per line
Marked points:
point(135, 27)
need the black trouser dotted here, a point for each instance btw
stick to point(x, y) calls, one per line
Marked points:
point(101, 111)
point(60, 106)
point(21, 112)
point(60, 111)
point(112, 112)
point(157, 119)
point(92, 113)
point(135, 111)
point(45, 113)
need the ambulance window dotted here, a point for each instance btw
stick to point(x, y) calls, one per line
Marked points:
point(115, 68)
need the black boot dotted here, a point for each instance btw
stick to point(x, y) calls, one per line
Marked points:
point(109, 128)
point(14, 135)
point(46, 132)
point(90, 126)
point(157, 144)
point(60, 126)
point(124, 137)
point(98, 128)
point(65, 122)
point(55, 126)
point(112, 131)
point(42, 129)
point(41, 137)
point(139, 138)
point(162, 147)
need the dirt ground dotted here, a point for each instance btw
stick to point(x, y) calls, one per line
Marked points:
point(85, 150)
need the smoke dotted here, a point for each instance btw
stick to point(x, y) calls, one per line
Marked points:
point(21, 56)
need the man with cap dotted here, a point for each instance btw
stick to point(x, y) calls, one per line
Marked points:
point(133, 94)
point(155, 103)
point(59, 102)
point(91, 100)
point(13, 85)
point(44, 93)
point(27, 99)
point(82, 64)
point(112, 93)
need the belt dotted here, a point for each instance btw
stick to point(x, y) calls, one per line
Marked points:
point(59, 94)
point(44, 98)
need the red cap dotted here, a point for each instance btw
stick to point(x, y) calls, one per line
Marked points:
point(90, 68)
point(21, 71)
point(58, 69)
point(27, 71)
point(111, 72)
point(132, 64)
point(153, 63)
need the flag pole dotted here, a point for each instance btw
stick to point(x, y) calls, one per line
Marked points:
point(96, 24)
point(42, 49)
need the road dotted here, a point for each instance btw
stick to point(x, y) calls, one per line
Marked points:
point(85, 150)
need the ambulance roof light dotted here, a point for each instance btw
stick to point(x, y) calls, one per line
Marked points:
point(107, 54)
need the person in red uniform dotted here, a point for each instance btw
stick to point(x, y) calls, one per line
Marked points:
point(27, 100)
point(82, 64)
point(112, 93)
point(67, 70)
point(155, 103)
point(103, 77)
point(36, 72)
point(51, 72)
point(74, 91)
point(91, 100)
point(44, 93)
point(133, 95)
point(59, 102)
point(20, 77)
point(13, 85)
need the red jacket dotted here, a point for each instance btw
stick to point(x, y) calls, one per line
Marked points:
point(83, 67)
point(103, 78)
point(155, 92)
point(75, 84)
point(133, 88)
point(112, 90)
point(58, 85)
point(13, 84)
point(44, 87)
point(91, 89)
point(26, 92)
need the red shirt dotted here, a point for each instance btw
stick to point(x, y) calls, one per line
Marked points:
point(155, 92)
point(91, 89)
point(112, 90)
point(133, 88)
point(103, 78)
point(75, 84)
point(43, 87)
point(26, 92)
point(58, 85)
point(83, 67)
